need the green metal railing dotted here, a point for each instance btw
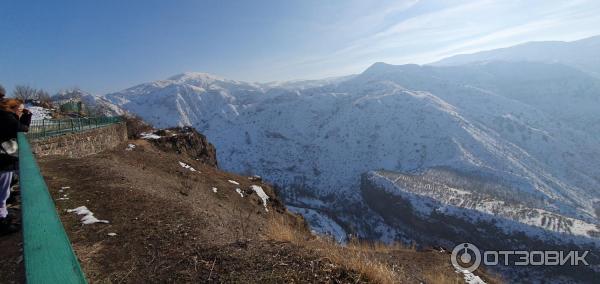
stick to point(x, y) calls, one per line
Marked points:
point(48, 255)
point(53, 127)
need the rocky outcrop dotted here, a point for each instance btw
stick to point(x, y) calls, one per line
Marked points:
point(187, 141)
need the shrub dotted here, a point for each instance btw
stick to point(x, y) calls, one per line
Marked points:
point(136, 126)
point(355, 256)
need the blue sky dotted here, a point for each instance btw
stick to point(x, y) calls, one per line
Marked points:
point(106, 46)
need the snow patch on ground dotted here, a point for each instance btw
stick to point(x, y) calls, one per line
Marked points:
point(65, 196)
point(261, 193)
point(39, 113)
point(239, 191)
point(130, 147)
point(149, 136)
point(471, 278)
point(186, 166)
point(233, 182)
point(88, 216)
point(214, 189)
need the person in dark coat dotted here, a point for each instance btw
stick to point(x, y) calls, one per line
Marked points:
point(13, 118)
point(2, 93)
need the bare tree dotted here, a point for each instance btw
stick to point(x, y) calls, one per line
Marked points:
point(25, 93)
point(42, 96)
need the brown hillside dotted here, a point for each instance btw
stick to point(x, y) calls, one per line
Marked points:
point(172, 227)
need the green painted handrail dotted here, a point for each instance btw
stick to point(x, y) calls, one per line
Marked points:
point(49, 257)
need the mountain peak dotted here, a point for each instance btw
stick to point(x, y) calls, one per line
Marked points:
point(195, 76)
point(381, 68)
point(378, 66)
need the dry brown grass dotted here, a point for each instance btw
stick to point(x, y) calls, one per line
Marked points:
point(379, 247)
point(281, 230)
point(437, 277)
point(355, 256)
point(365, 258)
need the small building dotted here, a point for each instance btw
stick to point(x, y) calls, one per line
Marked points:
point(73, 107)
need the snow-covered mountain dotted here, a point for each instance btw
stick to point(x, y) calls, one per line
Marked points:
point(316, 142)
point(582, 54)
point(527, 130)
point(510, 147)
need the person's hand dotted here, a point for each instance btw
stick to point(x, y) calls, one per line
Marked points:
point(19, 110)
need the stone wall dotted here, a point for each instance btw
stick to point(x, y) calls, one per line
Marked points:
point(81, 144)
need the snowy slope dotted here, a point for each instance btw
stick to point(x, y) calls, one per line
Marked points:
point(321, 224)
point(542, 122)
point(582, 54)
point(428, 194)
point(316, 140)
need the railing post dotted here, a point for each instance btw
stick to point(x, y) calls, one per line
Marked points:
point(48, 255)
point(44, 127)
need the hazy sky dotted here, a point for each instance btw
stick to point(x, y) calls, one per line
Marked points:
point(105, 46)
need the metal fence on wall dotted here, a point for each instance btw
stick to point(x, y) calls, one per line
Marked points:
point(53, 127)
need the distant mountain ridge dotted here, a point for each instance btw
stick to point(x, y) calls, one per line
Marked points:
point(232, 111)
point(582, 54)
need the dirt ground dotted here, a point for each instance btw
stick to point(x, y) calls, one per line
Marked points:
point(11, 250)
point(172, 227)
point(175, 229)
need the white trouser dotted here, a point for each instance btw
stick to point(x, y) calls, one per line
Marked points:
point(5, 180)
